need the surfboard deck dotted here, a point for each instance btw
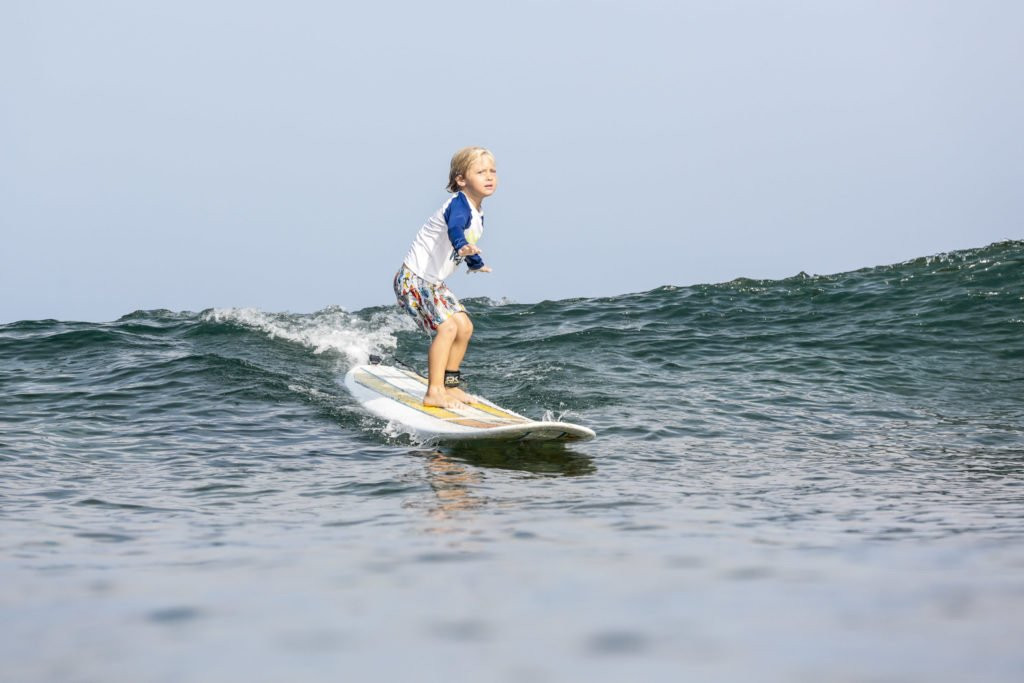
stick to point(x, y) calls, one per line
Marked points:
point(396, 395)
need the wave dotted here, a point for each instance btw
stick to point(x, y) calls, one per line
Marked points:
point(949, 323)
point(354, 335)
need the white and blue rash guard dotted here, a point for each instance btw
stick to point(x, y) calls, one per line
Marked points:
point(434, 254)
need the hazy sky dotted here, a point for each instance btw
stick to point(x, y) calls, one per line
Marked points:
point(281, 155)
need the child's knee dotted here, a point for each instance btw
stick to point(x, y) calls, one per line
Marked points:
point(465, 325)
point(449, 328)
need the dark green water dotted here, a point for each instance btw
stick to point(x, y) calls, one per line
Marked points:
point(818, 478)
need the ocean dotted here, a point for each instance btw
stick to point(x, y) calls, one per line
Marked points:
point(810, 479)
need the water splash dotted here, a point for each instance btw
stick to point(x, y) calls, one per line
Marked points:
point(353, 335)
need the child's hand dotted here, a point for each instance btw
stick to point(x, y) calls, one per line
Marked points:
point(469, 250)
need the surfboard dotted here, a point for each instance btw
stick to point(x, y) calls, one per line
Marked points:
point(396, 395)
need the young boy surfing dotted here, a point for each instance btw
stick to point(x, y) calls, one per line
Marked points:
point(447, 239)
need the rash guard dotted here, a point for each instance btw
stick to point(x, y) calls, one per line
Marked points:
point(434, 254)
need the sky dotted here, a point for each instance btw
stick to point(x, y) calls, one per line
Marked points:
point(282, 155)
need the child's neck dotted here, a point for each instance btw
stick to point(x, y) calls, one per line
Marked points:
point(477, 202)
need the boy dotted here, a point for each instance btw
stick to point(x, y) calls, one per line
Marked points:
point(447, 239)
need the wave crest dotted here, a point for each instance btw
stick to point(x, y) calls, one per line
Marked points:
point(333, 329)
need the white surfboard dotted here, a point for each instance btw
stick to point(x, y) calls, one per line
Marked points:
point(397, 395)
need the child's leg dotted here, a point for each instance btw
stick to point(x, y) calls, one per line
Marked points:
point(437, 358)
point(463, 334)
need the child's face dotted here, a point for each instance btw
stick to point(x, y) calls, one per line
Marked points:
point(481, 180)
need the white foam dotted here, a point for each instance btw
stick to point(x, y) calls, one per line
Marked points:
point(562, 415)
point(331, 330)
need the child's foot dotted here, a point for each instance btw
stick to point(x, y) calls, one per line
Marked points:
point(442, 399)
point(460, 395)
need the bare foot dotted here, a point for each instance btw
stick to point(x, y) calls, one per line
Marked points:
point(442, 399)
point(460, 395)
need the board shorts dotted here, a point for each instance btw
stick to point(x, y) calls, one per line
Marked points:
point(430, 304)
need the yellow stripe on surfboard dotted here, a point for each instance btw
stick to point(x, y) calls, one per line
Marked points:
point(490, 410)
point(385, 388)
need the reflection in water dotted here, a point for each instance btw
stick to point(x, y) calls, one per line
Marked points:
point(456, 481)
point(452, 483)
point(552, 459)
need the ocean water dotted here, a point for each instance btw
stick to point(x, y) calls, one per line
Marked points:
point(811, 479)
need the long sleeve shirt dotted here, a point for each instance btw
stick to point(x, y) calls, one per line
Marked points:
point(434, 254)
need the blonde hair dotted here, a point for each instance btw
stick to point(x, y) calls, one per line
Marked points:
point(461, 161)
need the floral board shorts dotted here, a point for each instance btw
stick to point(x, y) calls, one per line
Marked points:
point(430, 304)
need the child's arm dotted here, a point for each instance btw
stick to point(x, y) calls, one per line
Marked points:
point(470, 251)
point(458, 217)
